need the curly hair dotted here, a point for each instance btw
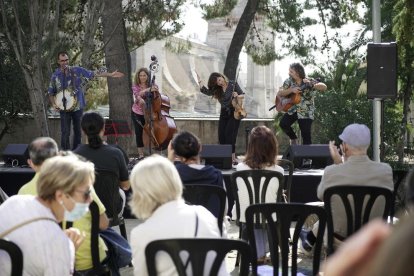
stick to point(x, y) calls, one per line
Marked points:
point(298, 68)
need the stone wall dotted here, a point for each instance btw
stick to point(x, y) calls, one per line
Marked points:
point(25, 131)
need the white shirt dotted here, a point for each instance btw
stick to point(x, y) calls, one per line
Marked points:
point(271, 193)
point(46, 248)
point(174, 219)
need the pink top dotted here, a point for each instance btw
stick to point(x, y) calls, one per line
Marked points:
point(138, 94)
point(136, 91)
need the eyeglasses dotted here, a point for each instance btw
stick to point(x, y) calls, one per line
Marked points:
point(64, 60)
point(86, 194)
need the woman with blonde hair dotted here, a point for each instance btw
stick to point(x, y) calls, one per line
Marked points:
point(157, 199)
point(64, 193)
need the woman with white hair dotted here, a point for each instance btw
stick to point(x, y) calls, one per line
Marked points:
point(157, 199)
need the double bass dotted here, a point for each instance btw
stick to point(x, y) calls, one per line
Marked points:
point(159, 126)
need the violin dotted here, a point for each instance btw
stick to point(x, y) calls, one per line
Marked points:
point(159, 126)
point(238, 104)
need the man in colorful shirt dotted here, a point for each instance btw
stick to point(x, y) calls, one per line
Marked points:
point(303, 111)
point(67, 95)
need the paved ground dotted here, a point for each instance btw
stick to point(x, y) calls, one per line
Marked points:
point(305, 262)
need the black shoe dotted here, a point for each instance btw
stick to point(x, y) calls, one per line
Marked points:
point(305, 246)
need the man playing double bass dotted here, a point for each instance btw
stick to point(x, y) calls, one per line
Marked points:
point(67, 96)
point(303, 112)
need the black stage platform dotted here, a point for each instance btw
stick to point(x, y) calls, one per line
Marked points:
point(304, 182)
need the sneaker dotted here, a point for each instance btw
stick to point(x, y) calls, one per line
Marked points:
point(305, 246)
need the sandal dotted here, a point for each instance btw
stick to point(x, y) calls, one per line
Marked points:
point(264, 260)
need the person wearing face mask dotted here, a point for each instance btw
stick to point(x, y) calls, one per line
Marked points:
point(80, 218)
point(63, 192)
point(220, 88)
point(303, 112)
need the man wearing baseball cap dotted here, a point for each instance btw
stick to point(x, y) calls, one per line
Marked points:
point(354, 168)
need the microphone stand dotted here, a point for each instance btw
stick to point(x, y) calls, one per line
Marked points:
point(149, 98)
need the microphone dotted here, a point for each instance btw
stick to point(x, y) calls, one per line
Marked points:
point(154, 58)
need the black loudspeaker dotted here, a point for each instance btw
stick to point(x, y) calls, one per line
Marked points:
point(382, 70)
point(218, 156)
point(16, 155)
point(309, 156)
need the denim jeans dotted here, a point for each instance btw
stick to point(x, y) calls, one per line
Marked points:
point(66, 119)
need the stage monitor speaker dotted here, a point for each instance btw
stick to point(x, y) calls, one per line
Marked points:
point(309, 156)
point(382, 70)
point(218, 156)
point(16, 155)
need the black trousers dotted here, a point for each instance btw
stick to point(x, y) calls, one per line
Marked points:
point(228, 128)
point(138, 128)
point(305, 126)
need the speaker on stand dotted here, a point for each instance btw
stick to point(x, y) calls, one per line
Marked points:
point(382, 70)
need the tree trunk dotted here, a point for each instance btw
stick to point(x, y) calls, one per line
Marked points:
point(117, 58)
point(236, 45)
point(94, 8)
point(38, 101)
point(30, 58)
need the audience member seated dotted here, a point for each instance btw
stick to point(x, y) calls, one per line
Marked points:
point(63, 187)
point(262, 151)
point(352, 168)
point(157, 199)
point(102, 155)
point(40, 149)
point(184, 150)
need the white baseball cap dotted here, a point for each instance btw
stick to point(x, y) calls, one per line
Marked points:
point(356, 135)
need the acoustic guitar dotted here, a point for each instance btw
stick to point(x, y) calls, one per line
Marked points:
point(284, 103)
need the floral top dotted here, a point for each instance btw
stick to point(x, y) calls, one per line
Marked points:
point(73, 81)
point(306, 108)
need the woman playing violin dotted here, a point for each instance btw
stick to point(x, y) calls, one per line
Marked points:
point(303, 111)
point(138, 91)
point(224, 91)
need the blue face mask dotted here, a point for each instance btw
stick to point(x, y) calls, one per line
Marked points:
point(77, 212)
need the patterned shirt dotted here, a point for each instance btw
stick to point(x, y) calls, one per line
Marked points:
point(72, 82)
point(306, 108)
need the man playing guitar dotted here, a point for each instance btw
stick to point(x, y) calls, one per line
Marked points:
point(303, 111)
point(66, 95)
